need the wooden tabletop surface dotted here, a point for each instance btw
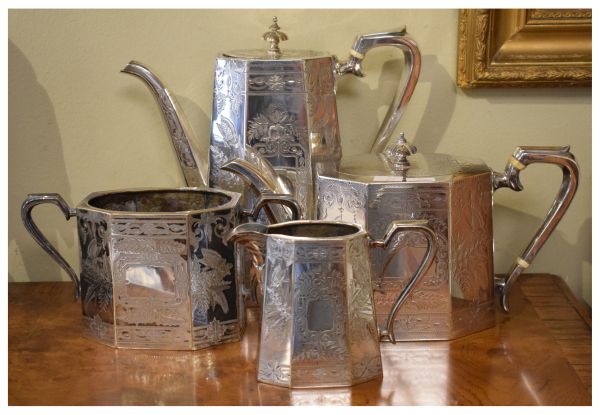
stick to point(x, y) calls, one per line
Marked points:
point(538, 354)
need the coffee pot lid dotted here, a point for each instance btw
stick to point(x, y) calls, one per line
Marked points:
point(400, 162)
point(274, 36)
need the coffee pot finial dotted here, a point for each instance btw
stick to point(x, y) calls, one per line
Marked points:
point(274, 36)
point(397, 153)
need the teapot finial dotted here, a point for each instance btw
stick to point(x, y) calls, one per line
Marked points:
point(274, 36)
point(398, 152)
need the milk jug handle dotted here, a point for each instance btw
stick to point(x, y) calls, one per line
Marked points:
point(521, 158)
point(26, 208)
point(412, 66)
point(397, 226)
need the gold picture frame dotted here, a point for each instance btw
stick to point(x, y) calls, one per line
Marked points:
point(524, 48)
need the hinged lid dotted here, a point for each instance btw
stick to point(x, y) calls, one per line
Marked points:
point(273, 52)
point(400, 163)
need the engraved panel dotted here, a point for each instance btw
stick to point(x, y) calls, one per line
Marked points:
point(96, 277)
point(226, 141)
point(148, 315)
point(277, 130)
point(472, 246)
point(472, 284)
point(363, 336)
point(276, 330)
point(280, 82)
point(341, 200)
point(216, 306)
point(429, 300)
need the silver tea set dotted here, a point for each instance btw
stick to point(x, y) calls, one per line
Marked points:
point(337, 253)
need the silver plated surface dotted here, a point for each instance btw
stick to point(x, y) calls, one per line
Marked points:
point(318, 326)
point(455, 297)
point(156, 269)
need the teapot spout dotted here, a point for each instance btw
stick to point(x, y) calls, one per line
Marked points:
point(193, 167)
point(260, 176)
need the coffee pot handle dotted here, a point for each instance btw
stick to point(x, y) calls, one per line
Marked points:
point(412, 63)
point(521, 158)
point(421, 226)
point(54, 198)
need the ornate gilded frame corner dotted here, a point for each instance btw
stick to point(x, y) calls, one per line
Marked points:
point(524, 48)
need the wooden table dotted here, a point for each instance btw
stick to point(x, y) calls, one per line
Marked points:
point(539, 354)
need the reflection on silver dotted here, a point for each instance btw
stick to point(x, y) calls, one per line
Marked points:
point(337, 396)
point(151, 280)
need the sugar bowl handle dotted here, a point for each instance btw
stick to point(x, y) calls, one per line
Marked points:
point(54, 198)
point(521, 158)
point(421, 226)
point(412, 64)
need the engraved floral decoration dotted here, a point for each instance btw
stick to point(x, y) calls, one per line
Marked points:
point(323, 283)
point(275, 125)
point(275, 82)
point(229, 85)
point(276, 312)
point(95, 264)
point(274, 372)
point(215, 331)
point(227, 149)
point(210, 224)
point(208, 281)
point(360, 293)
point(472, 247)
point(345, 201)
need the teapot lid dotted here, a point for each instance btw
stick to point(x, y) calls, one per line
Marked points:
point(400, 163)
point(274, 36)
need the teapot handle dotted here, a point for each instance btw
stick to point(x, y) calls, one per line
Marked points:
point(421, 226)
point(54, 198)
point(412, 63)
point(521, 158)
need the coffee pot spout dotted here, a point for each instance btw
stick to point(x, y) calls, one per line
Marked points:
point(193, 166)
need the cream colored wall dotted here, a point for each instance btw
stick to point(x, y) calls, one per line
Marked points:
point(77, 125)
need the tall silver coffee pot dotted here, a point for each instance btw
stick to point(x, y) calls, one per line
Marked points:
point(282, 103)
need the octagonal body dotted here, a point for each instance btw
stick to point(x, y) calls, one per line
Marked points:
point(455, 296)
point(318, 323)
point(156, 275)
point(284, 109)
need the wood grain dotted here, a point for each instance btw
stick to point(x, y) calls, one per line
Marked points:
point(539, 354)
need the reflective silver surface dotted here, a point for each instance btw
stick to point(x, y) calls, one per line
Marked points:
point(282, 104)
point(318, 327)
point(156, 269)
point(455, 297)
point(521, 158)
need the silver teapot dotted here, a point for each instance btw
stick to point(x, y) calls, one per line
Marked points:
point(456, 295)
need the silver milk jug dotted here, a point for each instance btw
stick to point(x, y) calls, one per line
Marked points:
point(282, 104)
point(318, 325)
